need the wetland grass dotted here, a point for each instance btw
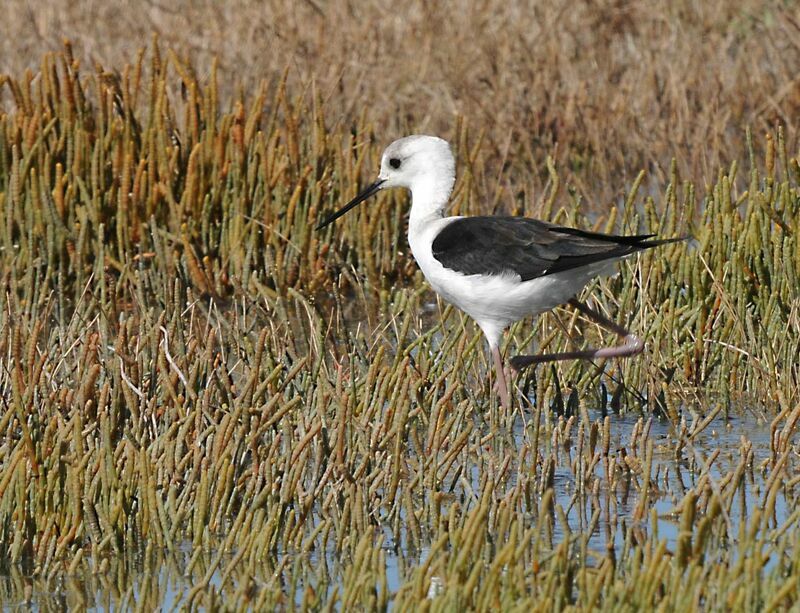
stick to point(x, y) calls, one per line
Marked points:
point(196, 385)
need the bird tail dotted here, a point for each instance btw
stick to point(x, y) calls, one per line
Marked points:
point(649, 244)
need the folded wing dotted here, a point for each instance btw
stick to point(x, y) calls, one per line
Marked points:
point(528, 247)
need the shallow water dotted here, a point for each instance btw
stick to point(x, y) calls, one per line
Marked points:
point(676, 476)
point(150, 579)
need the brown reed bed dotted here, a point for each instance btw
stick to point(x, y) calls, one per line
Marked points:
point(605, 87)
point(189, 373)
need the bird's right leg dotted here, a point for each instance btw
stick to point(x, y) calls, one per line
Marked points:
point(631, 345)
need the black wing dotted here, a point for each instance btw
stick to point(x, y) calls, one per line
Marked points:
point(527, 247)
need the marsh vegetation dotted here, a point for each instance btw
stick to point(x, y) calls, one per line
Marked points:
point(204, 402)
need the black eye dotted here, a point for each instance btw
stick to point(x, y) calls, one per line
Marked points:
point(394, 162)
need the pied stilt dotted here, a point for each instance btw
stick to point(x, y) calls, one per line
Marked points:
point(496, 269)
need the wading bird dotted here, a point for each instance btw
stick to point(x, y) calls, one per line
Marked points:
point(497, 269)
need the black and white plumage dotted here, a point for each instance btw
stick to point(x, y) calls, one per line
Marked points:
point(497, 269)
point(530, 248)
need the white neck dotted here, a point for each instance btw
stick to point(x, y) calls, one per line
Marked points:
point(429, 197)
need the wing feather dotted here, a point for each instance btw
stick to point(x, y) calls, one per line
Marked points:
point(527, 247)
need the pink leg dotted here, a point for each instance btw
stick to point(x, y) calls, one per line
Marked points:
point(502, 386)
point(632, 344)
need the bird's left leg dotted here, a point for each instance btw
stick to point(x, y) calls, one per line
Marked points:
point(502, 385)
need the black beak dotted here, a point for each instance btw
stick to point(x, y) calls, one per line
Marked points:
point(368, 191)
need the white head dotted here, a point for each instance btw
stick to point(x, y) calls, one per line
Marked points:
point(423, 164)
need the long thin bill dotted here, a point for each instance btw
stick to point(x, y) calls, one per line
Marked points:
point(370, 190)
